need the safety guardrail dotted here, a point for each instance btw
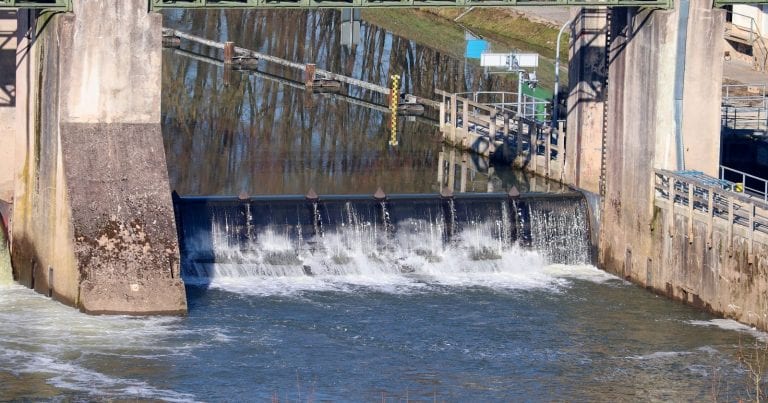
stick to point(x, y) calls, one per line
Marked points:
point(537, 147)
point(745, 183)
point(65, 5)
point(160, 4)
point(59, 5)
point(711, 202)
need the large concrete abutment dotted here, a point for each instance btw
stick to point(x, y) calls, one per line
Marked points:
point(663, 108)
point(93, 222)
point(587, 72)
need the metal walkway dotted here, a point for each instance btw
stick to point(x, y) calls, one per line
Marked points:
point(65, 5)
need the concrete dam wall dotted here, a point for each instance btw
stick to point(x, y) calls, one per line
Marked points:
point(352, 234)
point(92, 216)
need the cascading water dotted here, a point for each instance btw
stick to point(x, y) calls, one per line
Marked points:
point(423, 237)
point(6, 276)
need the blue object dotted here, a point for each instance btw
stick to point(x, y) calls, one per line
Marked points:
point(475, 48)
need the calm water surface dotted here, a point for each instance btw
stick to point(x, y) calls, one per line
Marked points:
point(508, 327)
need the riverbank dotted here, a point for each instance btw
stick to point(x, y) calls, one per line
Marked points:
point(505, 29)
point(435, 27)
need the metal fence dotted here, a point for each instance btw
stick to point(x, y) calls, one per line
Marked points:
point(744, 107)
point(531, 107)
point(745, 183)
point(65, 5)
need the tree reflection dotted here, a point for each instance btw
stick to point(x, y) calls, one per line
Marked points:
point(258, 136)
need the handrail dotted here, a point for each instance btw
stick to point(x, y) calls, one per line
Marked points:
point(738, 209)
point(753, 29)
point(760, 192)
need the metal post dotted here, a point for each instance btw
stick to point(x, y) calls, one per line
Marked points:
point(519, 94)
point(442, 116)
point(229, 52)
point(465, 116)
point(440, 169)
point(556, 92)
point(309, 74)
point(454, 119)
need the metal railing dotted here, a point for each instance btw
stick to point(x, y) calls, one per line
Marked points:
point(744, 112)
point(711, 201)
point(65, 5)
point(160, 4)
point(59, 5)
point(754, 39)
point(531, 107)
point(746, 183)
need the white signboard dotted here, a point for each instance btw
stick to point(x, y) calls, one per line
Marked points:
point(511, 60)
point(494, 59)
point(527, 59)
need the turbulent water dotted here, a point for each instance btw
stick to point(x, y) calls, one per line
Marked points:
point(5, 259)
point(478, 298)
point(409, 240)
point(364, 300)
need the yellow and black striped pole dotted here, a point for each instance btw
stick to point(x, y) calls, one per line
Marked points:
point(393, 100)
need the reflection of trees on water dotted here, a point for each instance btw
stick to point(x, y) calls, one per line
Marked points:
point(258, 136)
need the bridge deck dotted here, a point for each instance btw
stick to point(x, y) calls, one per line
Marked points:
point(66, 5)
point(313, 4)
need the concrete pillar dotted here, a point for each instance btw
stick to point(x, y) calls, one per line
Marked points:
point(586, 101)
point(8, 33)
point(641, 124)
point(702, 95)
point(93, 207)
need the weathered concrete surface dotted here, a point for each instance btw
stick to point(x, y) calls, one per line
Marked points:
point(586, 101)
point(703, 89)
point(641, 128)
point(93, 220)
point(724, 279)
point(7, 102)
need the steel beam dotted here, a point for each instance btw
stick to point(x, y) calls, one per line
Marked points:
point(720, 3)
point(59, 5)
point(66, 5)
point(162, 4)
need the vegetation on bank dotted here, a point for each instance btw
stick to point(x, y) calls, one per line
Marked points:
point(434, 27)
point(505, 29)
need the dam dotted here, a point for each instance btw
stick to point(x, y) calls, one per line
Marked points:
point(463, 280)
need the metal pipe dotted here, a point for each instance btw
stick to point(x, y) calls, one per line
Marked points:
point(682, 39)
point(556, 102)
point(519, 94)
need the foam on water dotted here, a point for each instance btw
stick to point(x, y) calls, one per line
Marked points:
point(350, 246)
point(6, 278)
point(344, 265)
point(729, 324)
point(59, 343)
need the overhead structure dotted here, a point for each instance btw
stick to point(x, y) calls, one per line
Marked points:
point(66, 5)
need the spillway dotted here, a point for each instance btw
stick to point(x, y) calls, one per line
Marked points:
point(402, 235)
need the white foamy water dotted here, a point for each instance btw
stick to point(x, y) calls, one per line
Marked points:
point(358, 256)
point(6, 277)
point(425, 251)
point(45, 339)
point(729, 324)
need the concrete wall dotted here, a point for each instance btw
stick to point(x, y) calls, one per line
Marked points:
point(703, 89)
point(8, 33)
point(723, 278)
point(641, 137)
point(586, 101)
point(93, 219)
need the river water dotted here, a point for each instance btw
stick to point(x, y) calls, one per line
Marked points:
point(360, 312)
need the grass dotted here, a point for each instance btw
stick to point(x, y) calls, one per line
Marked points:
point(505, 30)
